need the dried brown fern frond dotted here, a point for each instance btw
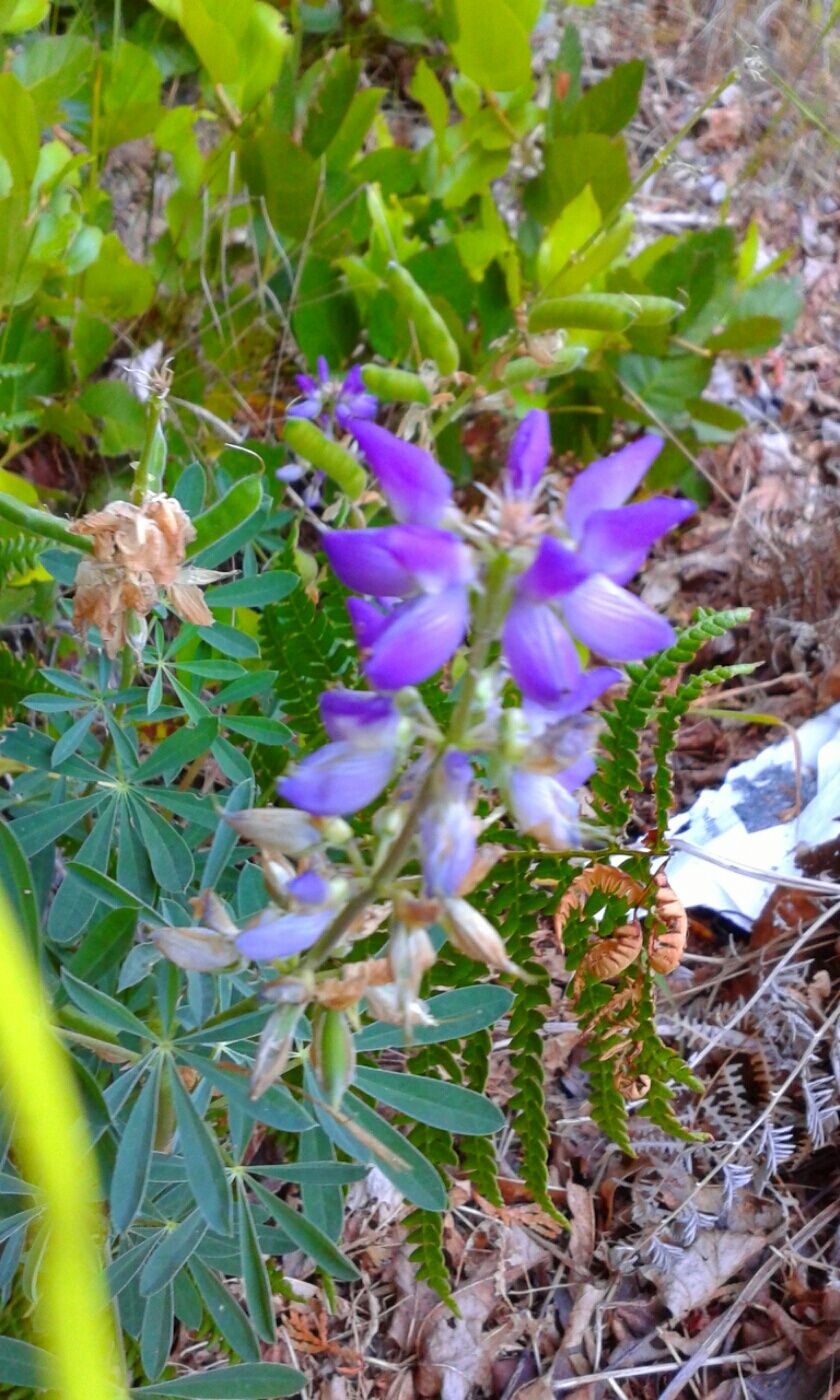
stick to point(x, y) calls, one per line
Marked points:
point(607, 878)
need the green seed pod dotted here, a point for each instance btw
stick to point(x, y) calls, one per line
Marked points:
point(395, 385)
point(325, 454)
point(602, 311)
point(434, 335)
point(332, 1055)
point(520, 370)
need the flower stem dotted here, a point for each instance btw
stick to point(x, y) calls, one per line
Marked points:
point(485, 630)
point(40, 522)
point(149, 471)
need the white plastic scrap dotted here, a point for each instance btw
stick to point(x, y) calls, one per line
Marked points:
point(741, 822)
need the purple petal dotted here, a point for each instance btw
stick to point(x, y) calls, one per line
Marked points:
point(416, 486)
point(323, 370)
point(367, 619)
point(577, 773)
point(309, 888)
point(591, 684)
point(529, 453)
point(455, 775)
point(609, 482)
point(448, 846)
point(395, 561)
point(307, 384)
point(555, 570)
point(613, 622)
point(283, 936)
point(350, 406)
point(304, 408)
point(422, 635)
point(293, 472)
point(338, 779)
point(435, 559)
point(362, 560)
point(616, 542)
point(541, 654)
point(542, 807)
point(359, 717)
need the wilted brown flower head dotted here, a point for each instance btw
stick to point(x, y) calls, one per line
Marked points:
point(138, 555)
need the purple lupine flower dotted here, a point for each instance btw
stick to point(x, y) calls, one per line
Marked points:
point(338, 779)
point(415, 485)
point(360, 718)
point(420, 636)
point(448, 830)
point(347, 400)
point(528, 455)
point(282, 935)
point(396, 561)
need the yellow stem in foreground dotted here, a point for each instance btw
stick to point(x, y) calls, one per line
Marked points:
point(53, 1152)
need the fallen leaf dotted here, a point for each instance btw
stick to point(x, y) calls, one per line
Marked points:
point(711, 1261)
point(582, 1212)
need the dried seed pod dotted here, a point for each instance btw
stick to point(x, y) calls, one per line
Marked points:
point(210, 912)
point(389, 1004)
point(667, 943)
point(607, 878)
point(338, 993)
point(633, 1086)
point(275, 1046)
point(610, 956)
point(475, 936)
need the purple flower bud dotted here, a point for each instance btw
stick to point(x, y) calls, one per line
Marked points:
point(420, 637)
point(543, 808)
point(338, 779)
point(529, 453)
point(541, 654)
point(609, 482)
point(616, 542)
point(416, 486)
point(396, 561)
point(282, 935)
point(358, 716)
point(613, 622)
point(309, 888)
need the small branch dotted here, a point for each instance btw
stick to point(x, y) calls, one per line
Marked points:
point(40, 522)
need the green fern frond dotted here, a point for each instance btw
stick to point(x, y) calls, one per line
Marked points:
point(18, 554)
point(618, 772)
point(18, 677)
point(310, 647)
point(478, 1154)
point(424, 1228)
point(667, 717)
point(515, 908)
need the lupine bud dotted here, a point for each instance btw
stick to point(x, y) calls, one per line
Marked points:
point(196, 949)
point(420, 637)
point(275, 829)
point(529, 452)
point(387, 1004)
point(475, 937)
point(277, 874)
point(411, 954)
point(274, 1048)
point(211, 913)
point(332, 1055)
